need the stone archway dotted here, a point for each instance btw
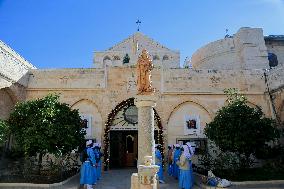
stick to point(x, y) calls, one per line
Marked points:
point(7, 103)
point(176, 120)
point(89, 110)
point(128, 126)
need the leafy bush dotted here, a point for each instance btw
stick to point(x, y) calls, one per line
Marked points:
point(46, 126)
point(241, 129)
point(3, 131)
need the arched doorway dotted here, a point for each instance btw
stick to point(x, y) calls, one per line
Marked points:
point(121, 135)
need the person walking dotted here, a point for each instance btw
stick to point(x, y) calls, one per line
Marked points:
point(159, 161)
point(87, 169)
point(176, 156)
point(185, 178)
point(99, 155)
point(96, 164)
point(191, 151)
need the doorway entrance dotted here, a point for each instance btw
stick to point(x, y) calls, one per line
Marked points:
point(121, 135)
point(123, 148)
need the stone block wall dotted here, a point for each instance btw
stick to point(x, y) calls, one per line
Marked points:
point(133, 45)
point(13, 67)
point(179, 91)
point(245, 50)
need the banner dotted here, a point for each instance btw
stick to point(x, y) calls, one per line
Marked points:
point(89, 133)
point(191, 125)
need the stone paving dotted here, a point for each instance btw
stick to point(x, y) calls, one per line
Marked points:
point(120, 179)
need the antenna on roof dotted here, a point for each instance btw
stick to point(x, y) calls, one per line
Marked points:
point(138, 22)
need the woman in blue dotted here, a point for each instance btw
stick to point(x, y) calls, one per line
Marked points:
point(98, 155)
point(158, 161)
point(191, 151)
point(185, 180)
point(96, 165)
point(177, 154)
point(87, 170)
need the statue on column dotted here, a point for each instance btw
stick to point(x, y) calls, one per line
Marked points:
point(144, 67)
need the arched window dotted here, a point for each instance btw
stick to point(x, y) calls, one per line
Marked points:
point(165, 57)
point(106, 58)
point(156, 57)
point(273, 61)
point(116, 57)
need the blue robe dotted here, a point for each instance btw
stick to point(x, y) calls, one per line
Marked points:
point(185, 176)
point(170, 169)
point(87, 169)
point(94, 167)
point(177, 154)
point(159, 161)
point(99, 163)
point(191, 174)
point(185, 179)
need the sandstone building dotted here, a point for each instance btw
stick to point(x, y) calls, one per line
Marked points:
point(184, 94)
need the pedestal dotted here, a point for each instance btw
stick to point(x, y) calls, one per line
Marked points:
point(146, 142)
point(147, 176)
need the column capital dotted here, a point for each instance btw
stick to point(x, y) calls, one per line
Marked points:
point(145, 100)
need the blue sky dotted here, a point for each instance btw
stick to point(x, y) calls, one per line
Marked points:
point(65, 33)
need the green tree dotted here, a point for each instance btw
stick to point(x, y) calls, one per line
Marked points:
point(240, 129)
point(46, 126)
point(3, 131)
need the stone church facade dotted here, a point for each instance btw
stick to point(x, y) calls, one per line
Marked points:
point(191, 93)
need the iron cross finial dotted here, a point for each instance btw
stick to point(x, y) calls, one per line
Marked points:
point(138, 22)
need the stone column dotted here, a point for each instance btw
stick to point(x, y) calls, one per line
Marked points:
point(146, 142)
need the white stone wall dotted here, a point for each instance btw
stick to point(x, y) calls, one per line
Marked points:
point(133, 45)
point(67, 79)
point(88, 108)
point(245, 50)
point(13, 67)
point(192, 81)
point(277, 48)
point(276, 78)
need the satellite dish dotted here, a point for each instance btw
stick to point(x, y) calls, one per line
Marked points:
point(272, 58)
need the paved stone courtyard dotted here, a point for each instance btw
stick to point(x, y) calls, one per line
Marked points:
point(120, 179)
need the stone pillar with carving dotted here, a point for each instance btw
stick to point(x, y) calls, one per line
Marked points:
point(146, 142)
point(147, 175)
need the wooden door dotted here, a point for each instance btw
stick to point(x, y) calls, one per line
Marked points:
point(131, 149)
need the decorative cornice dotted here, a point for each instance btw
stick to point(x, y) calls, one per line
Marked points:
point(8, 51)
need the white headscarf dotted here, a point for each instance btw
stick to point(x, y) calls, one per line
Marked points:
point(186, 151)
point(88, 142)
point(190, 148)
point(177, 145)
point(157, 145)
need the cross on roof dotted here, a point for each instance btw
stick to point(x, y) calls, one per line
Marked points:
point(138, 22)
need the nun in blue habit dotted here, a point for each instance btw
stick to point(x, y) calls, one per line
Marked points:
point(176, 156)
point(191, 151)
point(87, 176)
point(98, 155)
point(159, 161)
point(185, 178)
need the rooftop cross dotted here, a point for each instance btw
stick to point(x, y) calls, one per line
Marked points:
point(138, 22)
